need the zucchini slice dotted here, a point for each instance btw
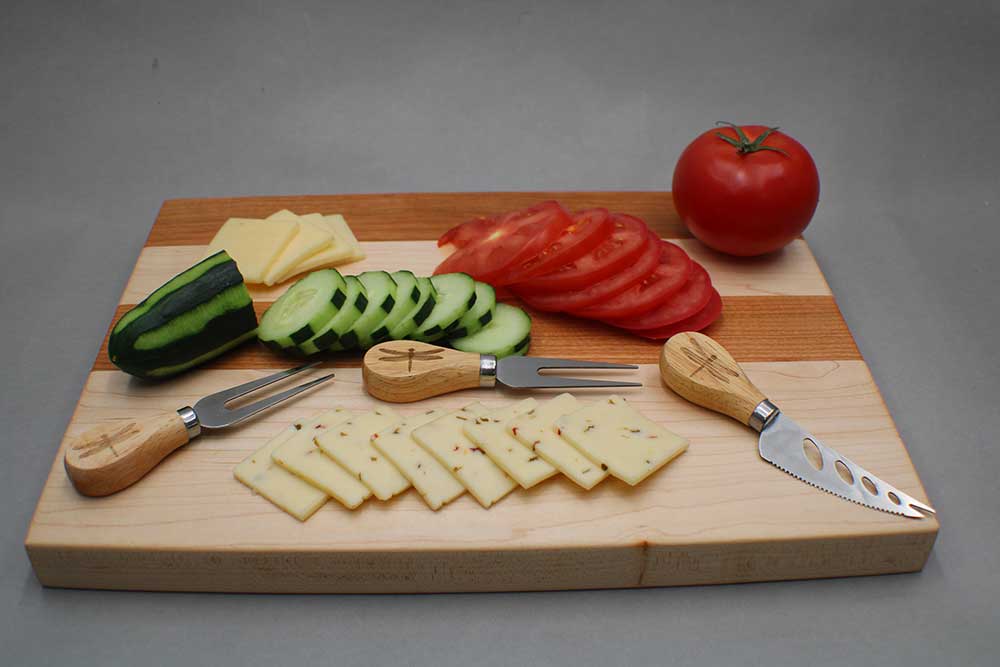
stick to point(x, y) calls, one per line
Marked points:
point(418, 313)
point(303, 310)
point(480, 314)
point(456, 294)
point(508, 334)
point(328, 336)
point(193, 317)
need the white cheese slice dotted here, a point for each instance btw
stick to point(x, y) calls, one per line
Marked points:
point(617, 437)
point(431, 479)
point(489, 432)
point(445, 440)
point(308, 240)
point(301, 456)
point(349, 444)
point(283, 214)
point(288, 492)
point(253, 244)
point(335, 252)
point(535, 429)
point(338, 226)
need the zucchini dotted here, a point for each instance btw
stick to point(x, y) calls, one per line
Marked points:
point(328, 336)
point(508, 334)
point(456, 294)
point(303, 310)
point(480, 314)
point(418, 313)
point(193, 317)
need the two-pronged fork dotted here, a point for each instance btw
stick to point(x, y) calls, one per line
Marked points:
point(114, 455)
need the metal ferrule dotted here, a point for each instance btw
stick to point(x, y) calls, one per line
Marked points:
point(487, 370)
point(762, 415)
point(191, 422)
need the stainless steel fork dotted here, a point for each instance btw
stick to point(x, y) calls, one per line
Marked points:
point(114, 455)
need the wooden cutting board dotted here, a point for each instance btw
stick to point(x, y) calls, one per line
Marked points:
point(717, 514)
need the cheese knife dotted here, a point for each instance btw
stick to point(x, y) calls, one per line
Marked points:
point(703, 372)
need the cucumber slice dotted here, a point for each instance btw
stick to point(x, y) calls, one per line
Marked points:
point(380, 290)
point(508, 334)
point(406, 297)
point(418, 313)
point(456, 294)
point(303, 309)
point(328, 336)
point(480, 314)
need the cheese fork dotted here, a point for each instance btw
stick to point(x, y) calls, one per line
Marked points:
point(406, 371)
point(117, 454)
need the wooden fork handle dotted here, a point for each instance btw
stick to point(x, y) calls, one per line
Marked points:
point(114, 455)
point(404, 371)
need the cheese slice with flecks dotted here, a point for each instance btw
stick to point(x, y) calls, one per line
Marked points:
point(253, 244)
point(338, 226)
point(445, 440)
point(616, 436)
point(288, 492)
point(349, 444)
point(535, 429)
point(525, 466)
point(309, 239)
point(431, 479)
point(301, 456)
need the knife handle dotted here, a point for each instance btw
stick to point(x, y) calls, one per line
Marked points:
point(117, 454)
point(404, 371)
point(703, 372)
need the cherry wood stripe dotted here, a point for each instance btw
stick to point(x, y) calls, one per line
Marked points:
point(399, 217)
point(777, 328)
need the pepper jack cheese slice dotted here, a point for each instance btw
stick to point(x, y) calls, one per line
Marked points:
point(253, 244)
point(525, 466)
point(301, 456)
point(288, 492)
point(616, 436)
point(535, 429)
point(445, 440)
point(349, 444)
point(431, 479)
point(308, 240)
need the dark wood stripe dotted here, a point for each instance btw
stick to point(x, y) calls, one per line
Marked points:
point(752, 328)
point(399, 217)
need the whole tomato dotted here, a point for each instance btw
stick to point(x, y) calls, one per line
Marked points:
point(745, 190)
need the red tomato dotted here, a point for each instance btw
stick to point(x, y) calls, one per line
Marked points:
point(685, 303)
point(467, 232)
point(588, 230)
point(518, 236)
point(626, 242)
point(667, 278)
point(577, 300)
point(696, 322)
point(745, 190)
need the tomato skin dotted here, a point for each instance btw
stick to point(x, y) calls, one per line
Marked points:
point(590, 228)
point(691, 298)
point(468, 231)
point(696, 322)
point(745, 203)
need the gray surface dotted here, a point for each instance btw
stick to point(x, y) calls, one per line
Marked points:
point(111, 109)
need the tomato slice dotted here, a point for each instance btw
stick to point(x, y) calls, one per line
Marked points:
point(667, 278)
point(689, 300)
point(577, 300)
point(589, 229)
point(629, 237)
point(696, 322)
point(517, 236)
point(467, 232)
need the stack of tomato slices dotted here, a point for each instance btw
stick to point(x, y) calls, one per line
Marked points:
point(592, 264)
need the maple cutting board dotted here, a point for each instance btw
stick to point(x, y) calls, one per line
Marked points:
point(717, 514)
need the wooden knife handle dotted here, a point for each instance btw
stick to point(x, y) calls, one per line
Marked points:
point(703, 372)
point(114, 455)
point(404, 371)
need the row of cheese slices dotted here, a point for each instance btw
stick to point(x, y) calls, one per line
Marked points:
point(487, 452)
point(284, 244)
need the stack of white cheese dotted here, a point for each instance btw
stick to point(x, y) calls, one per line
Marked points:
point(443, 454)
point(284, 244)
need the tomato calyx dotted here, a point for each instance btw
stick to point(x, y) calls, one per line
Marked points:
point(742, 143)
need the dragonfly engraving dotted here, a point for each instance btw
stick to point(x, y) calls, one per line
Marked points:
point(91, 446)
point(708, 362)
point(409, 355)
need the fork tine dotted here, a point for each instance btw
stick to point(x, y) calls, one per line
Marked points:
point(540, 363)
point(227, 395)
point(554, 381)
point(247, 411)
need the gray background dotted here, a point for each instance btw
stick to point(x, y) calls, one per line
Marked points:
point(110, 107)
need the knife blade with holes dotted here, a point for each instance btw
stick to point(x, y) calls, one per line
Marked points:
point(703, 372)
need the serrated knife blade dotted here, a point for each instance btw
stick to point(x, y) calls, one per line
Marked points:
point(703, 372)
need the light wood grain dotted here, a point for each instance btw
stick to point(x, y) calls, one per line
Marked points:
point(408, 371)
